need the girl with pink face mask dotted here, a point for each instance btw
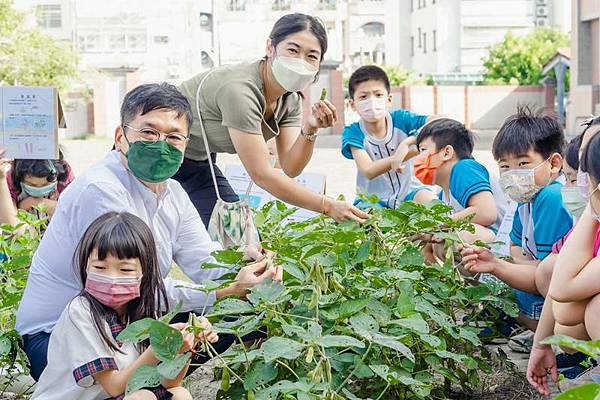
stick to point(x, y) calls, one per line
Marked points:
point(118, 267)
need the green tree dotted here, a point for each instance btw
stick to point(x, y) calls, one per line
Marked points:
point(520, 59)
point(397, 74)
point(29, 56)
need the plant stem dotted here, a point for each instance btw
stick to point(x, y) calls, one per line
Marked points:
point(244, 350)
point(295, 316)
point(288, 368)
point(354, 370)
point(383, 392)
point(210, 349)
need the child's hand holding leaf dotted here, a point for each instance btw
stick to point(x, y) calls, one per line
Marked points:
point(202, 329)
point(189, 341)
point(478, 260)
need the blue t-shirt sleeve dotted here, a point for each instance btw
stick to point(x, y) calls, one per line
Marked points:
point(516, 233)
point(468, 178)
point(352, 136)
point(551, 219)
point(407, 121)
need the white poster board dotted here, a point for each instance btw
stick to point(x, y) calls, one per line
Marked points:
point(240, 180)
point(29, 122)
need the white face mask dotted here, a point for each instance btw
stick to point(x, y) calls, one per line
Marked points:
point(519, 184)
point(372, 109)
point(573, 201)
point(293, 74)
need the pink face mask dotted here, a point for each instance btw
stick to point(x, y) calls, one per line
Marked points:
point(372, 109)
point(583, 184)
point(112, 292)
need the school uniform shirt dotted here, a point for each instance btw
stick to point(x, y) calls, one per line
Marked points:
point(392, 188)
point(108, 186)
point(542, 222)
point(467, 178)
point(77, 352)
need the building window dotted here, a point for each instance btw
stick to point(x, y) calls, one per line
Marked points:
point(136, 42)
point(281, 5)
point(163, 39)
point(434, 40)
point(116, 41)
point(326, 5)
point(420, 42)
point(236, 5)
point(89, 43)
point(373, 29)
point(424, 3)
point(424, 42)
point(412, 5)
point(49, 16)
point(412, 46)
point(206, 22)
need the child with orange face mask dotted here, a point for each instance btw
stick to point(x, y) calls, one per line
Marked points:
point(446, 161)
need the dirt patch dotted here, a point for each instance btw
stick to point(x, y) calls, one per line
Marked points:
point(201, 384)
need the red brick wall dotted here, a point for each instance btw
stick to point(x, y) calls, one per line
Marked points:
point(336, 90)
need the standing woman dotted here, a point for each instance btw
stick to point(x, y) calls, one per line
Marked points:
point(244, 105)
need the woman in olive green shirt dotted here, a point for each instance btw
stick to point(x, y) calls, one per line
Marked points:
point(244, 105)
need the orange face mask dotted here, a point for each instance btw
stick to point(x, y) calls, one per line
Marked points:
point(424, 171)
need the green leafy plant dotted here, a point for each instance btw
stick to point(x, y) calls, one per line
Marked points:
point(360, 315)
point(16, 251)
point(166, 342)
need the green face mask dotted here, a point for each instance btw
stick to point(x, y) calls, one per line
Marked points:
point(153, 162)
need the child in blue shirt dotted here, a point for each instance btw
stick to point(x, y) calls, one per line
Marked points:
point(446, 160)
point(380, 142)
point(528, 150)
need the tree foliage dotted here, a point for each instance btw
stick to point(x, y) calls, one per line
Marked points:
point(30, 57)
point(520, 59)
point(397, 74)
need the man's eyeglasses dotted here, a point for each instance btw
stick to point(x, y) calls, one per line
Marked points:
point(152, 135)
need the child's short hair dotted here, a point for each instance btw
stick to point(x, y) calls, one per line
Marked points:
point(572, 152)
point(367, 73)
point(525, 131)
point(446, 131)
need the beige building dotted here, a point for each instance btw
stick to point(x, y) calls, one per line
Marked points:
point(448, 39)
point(584, 98)
point(355, 28)
point(122, 44)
